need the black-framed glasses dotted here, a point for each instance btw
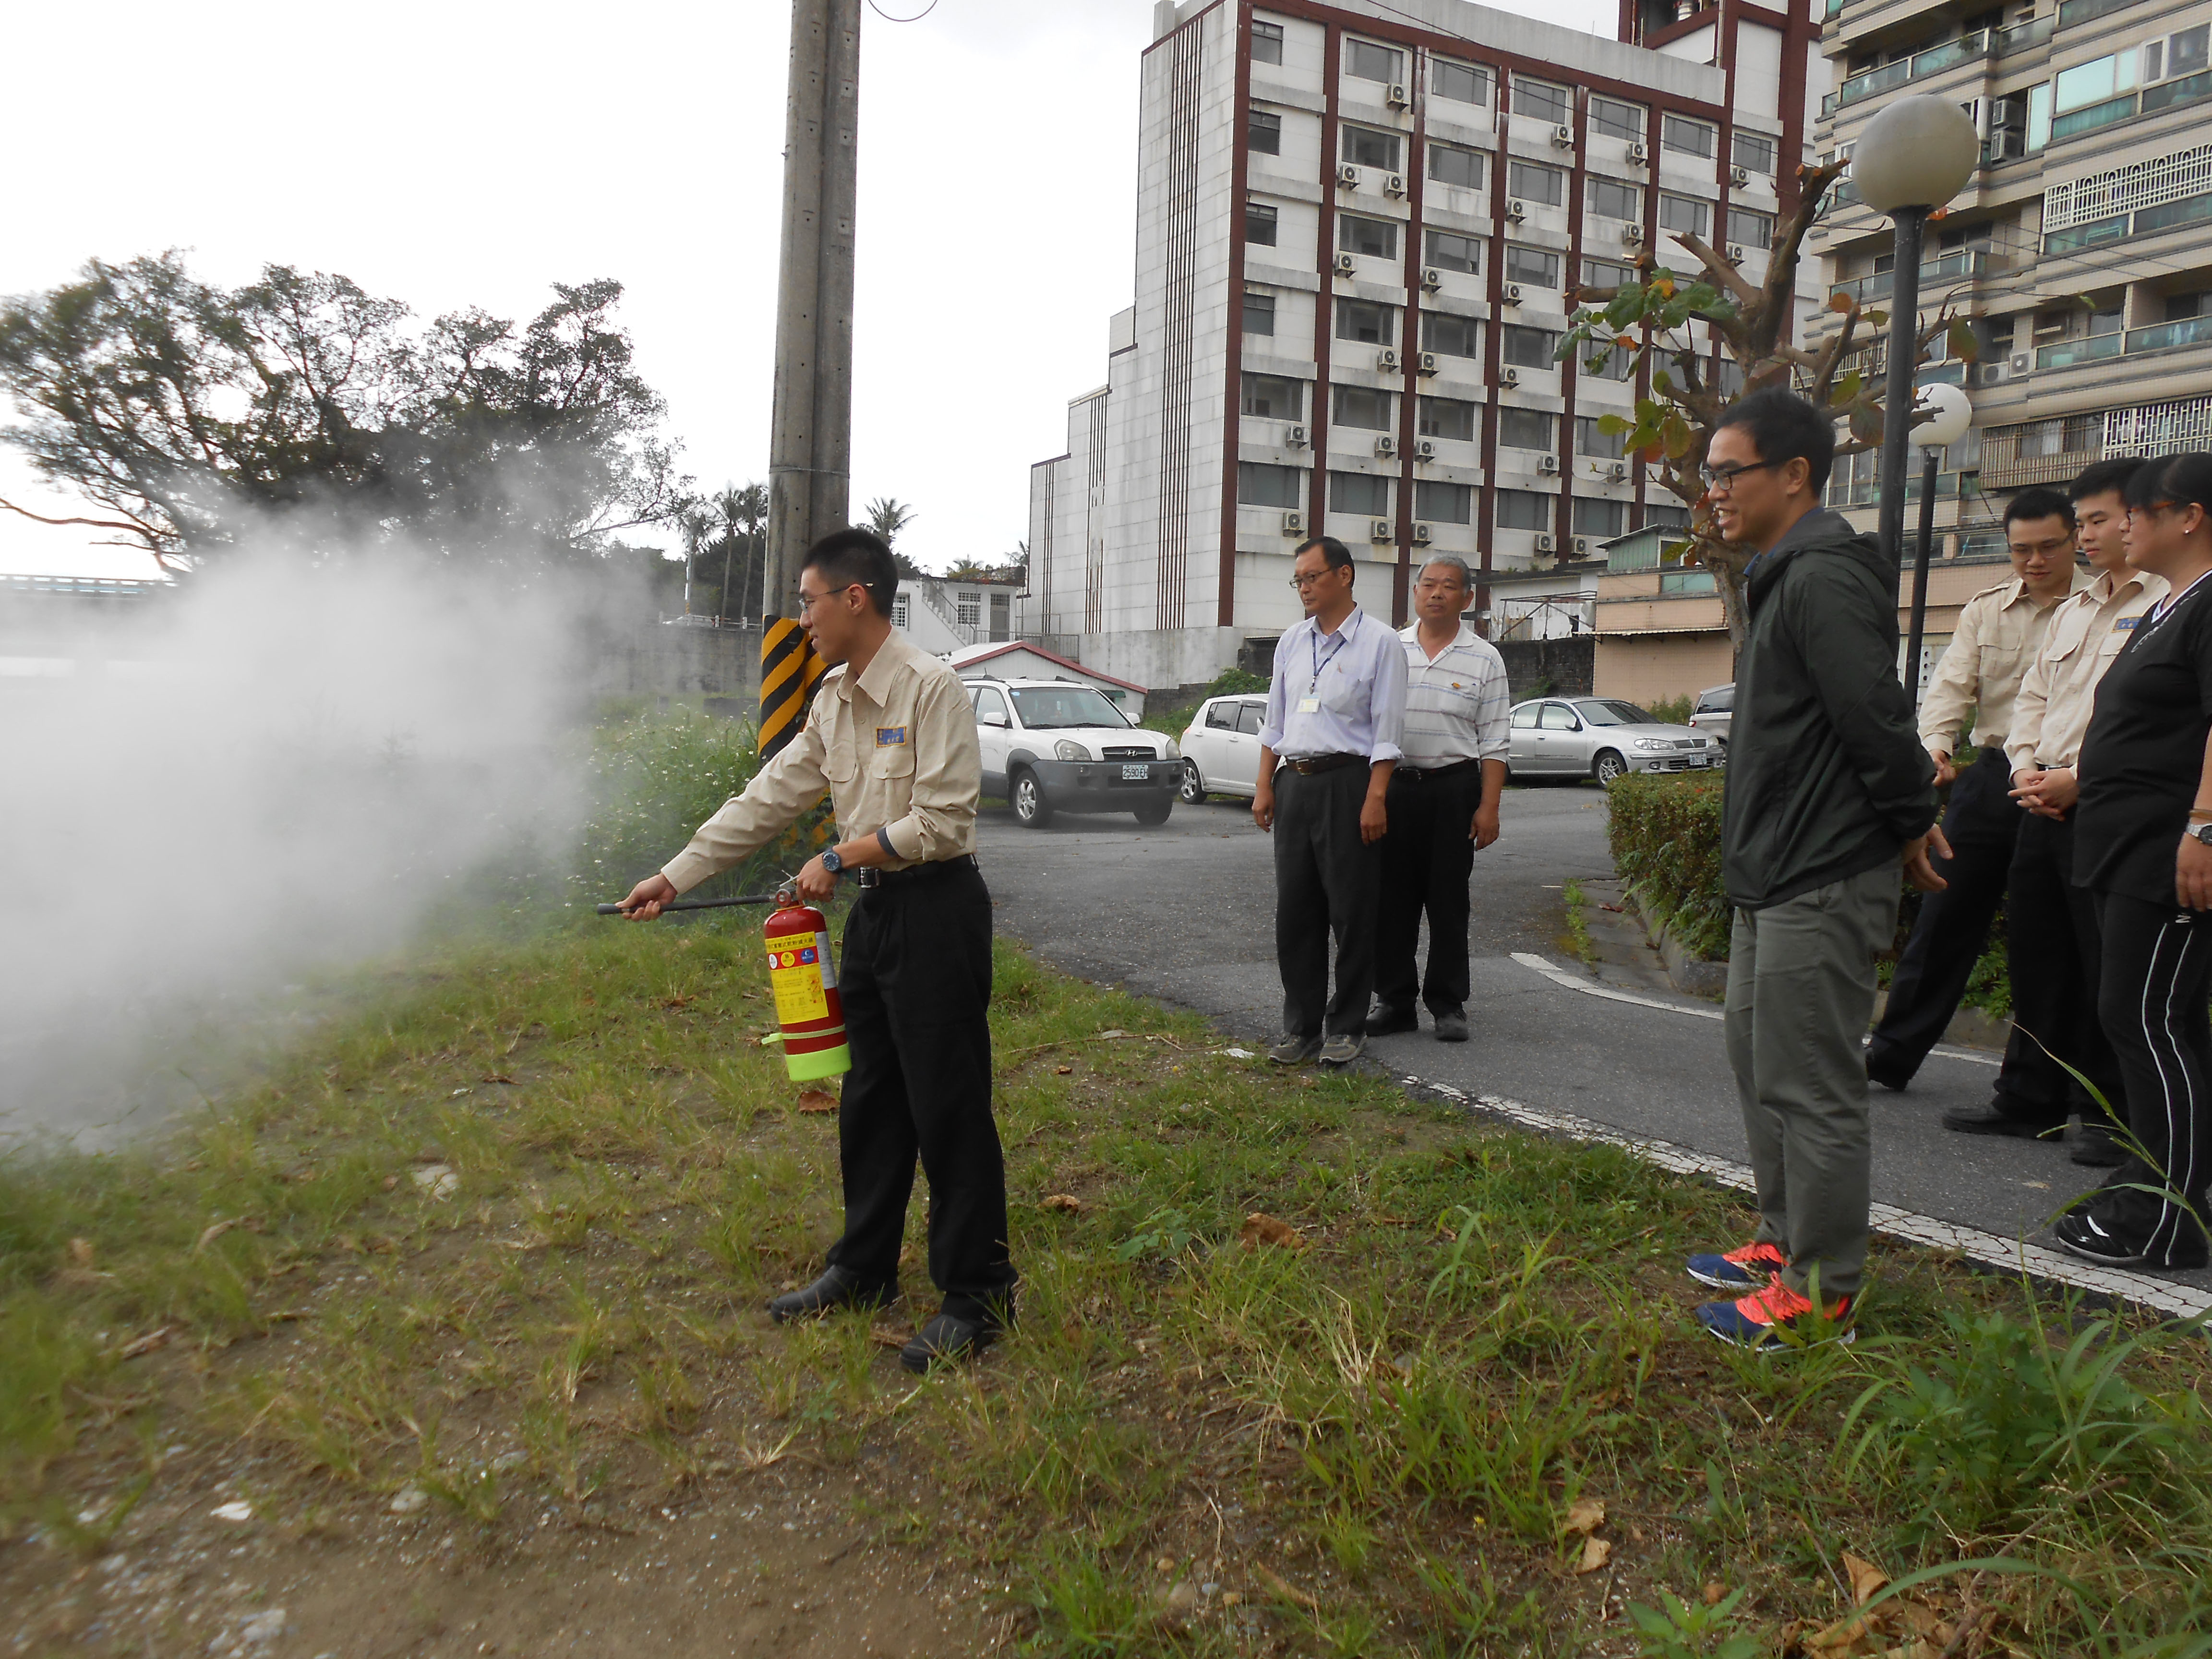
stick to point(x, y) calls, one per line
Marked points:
point(1724, 477)
point(1307, 580)
point(808, 601)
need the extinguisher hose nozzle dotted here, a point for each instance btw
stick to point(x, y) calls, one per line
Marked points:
point(699, 904)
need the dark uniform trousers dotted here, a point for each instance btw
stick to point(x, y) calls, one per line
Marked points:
point(915, 979)
point(2157, 970)
point(2052, 944)
point(1327, 882)
point(1981, 824)
point(1427, 860)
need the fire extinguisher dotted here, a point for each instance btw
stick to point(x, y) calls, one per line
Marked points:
point(805, 979)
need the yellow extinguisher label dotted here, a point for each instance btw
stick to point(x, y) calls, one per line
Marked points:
point(794, 970)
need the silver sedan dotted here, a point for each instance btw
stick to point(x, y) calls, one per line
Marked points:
point(1601, 737)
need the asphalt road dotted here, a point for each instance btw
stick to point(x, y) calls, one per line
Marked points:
point(1185, 913)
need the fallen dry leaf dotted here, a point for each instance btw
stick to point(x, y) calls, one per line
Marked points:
point(816, 1100)
point(1585, 1515)
point(678, 1002)
point(1066, 1201)
point(157, 1338)
point(1285, 1588)
point(1116, 1033)
point(1713, 1592)
point(80, 1251)
point(1260, 1229)
point(499, 1077)
point(1062, 1071)
point(1867, 1579)
point(1596, 1551)
point(1839, 1638)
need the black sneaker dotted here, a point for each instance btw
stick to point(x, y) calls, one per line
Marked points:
point(1451, 1026)
point(1388, 1022)
point(2080, 1233)
point(2097, 1147)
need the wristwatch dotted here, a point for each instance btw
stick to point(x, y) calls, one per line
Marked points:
point(832, 863)
point(2200, 832)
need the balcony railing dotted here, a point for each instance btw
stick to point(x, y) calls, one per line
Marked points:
point(1967, 49)
point(2164, 336)
point(1959, 265)
point(2071, 12)
point(2160, 337)
point(2053, 450)
point(2089, 349)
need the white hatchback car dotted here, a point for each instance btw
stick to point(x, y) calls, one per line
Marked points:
point(1060, 746)
point(1221, 749)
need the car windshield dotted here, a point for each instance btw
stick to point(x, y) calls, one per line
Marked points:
point(1611, 711)
point(1056, 708)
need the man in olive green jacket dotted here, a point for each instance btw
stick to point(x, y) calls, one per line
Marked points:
point(1829, 792)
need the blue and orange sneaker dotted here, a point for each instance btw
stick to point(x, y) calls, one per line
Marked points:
point(1744, 1269)
point(1760, 1320)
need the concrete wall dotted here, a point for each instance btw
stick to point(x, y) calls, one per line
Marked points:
point(1564, 665)
point(652, 659)
point(1646, 668)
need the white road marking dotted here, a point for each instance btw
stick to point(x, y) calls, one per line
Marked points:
point(2012, 1256)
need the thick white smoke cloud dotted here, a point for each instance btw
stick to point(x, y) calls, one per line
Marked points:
point(289, 767)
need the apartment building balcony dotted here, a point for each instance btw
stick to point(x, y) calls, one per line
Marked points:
point(2052, 450)
point(2142, 199)
point(1981, 44)
point(1964, 265)
point(2094, 348)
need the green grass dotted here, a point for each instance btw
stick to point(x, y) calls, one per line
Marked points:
point(1367, 1442)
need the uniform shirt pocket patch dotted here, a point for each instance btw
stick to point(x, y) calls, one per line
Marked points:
point(889, 736)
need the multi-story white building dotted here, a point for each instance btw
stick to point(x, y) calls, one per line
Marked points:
point(1358, 224)
point(2082, 249)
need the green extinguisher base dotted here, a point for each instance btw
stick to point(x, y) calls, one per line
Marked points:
point(829, 1062)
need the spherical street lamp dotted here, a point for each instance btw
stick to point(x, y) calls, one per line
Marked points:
point(1949, 417)
point(1913, 157)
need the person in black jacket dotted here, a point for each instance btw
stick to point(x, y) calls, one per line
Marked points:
point(1828, 792)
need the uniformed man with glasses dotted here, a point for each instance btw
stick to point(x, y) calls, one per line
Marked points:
point(891, 737)
point(1327, 751)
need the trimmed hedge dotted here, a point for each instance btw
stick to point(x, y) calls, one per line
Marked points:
point(1665, 834)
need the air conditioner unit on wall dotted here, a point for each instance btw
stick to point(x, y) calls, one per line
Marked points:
point(1400, 95)
point(1386, 445)
point(1738, 176)
point(1513, 294)
point(1546, 543)
point(1294, 436)
point(1420, 535)
point(1616, 470)
point(1563, 137)
point(1428, 362)
point(1294, 524)
point(1345, 264)
point(1386, 360)
point(1548, 466)
point(1347, 176)
point(1425, 449)
point(1431, 278)
point(1509, 376)
point(1516, 208)
point(1581, 547)
point(1632, 235)
point(1394, 184)
point(1735, 253)
point(1639, 152)
point(1381, 529)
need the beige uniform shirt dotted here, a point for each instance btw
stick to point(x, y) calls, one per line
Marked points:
point(896, 748)
point(2000, 631)
point(2051, 715)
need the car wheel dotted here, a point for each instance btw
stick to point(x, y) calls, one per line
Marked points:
point(1192, 789)
point(1609, 766)
point(1156, 813)
point(1031, 809)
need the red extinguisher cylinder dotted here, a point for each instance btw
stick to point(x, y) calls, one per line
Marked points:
point(803, 973)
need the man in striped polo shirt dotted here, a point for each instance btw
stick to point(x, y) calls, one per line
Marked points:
point(1443, 804)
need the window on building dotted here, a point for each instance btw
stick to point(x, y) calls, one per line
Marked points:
point(1367, 147)
point(1275, 396)
point(1260, 485)
point(1263, 131)
point(1523, 509)
point(1534, 183)
point(2039, 116)
point(2095, 81)
point(1527, 348)
point(2179, 307)
point(1359, 492)
point(1365, 321)
point(1449, 417)
point(1727, 377)
point(1616, 120)
point(1362, 407)
point(1752, 151)
point(1444, 503)
point(1528, 429)
point(1690, 138)
point(1611, 199)
point(1751, 228)
point(1598, 445)
point(1450, 336)
point(1377, 238)
point(1259, 224)
point(1607, 273)
point(1463, 83)
point(2186, 52)
point(967, 607)
point(1685, 213)
point(900, 611)
point(1619, 365)
point(1448, 251)
point(1455, 164)
point(1266, 42)
point(1602, 518)
point(1542, 100)
point(1258, 314)
point(1535, 266)
point(1668, 515)
point(1369, 62)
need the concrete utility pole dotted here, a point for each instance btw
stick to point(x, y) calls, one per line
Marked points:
point(810, 454)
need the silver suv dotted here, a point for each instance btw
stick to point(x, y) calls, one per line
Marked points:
point(1061, 746)
point(1711, 714)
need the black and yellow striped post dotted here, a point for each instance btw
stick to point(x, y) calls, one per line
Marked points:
point(790, 671)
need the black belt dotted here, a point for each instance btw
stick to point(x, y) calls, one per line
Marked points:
point(867, 880)
point(1315, 764)
point(1419, 772)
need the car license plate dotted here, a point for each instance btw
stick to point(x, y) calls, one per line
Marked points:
point(1139, 773)
point(1701, 760)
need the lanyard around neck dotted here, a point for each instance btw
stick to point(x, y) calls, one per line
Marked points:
point(1321, 662)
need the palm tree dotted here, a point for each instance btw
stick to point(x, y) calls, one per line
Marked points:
point(741, 514)
point(887, 517)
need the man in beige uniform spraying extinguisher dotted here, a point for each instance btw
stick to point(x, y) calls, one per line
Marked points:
point(892, 739)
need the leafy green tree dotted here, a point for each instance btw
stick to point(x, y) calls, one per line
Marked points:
point(194, 413)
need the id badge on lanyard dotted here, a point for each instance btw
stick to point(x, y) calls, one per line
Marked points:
point(1310, 703)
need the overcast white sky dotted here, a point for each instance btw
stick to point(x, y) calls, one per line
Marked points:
point(470, 153)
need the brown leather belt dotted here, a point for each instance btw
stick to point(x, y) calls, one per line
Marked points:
point(1324, 763)
point(1417, 772)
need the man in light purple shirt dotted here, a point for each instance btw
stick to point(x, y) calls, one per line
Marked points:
point(1334, 710)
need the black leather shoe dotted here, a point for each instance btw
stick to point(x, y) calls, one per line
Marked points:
point(1989, 1121)
point(837, 1288)
point(1388, 1022)
point(948, 1337)
point(1891, 1076)
point(2096, 1146)
point(1451, 1027)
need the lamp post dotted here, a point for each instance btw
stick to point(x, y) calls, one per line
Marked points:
point(1947, 415)
point(1913, 157)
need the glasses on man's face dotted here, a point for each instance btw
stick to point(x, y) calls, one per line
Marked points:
point(2057, 548)
point(1307, 579)
point(1722, 478)
point(807, 601)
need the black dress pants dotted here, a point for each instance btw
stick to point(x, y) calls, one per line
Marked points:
point(1328, 882)
point(2158, 964)
point(1946, 941)
point(1427, 858)
point(2052, 946)
point(915, 978)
